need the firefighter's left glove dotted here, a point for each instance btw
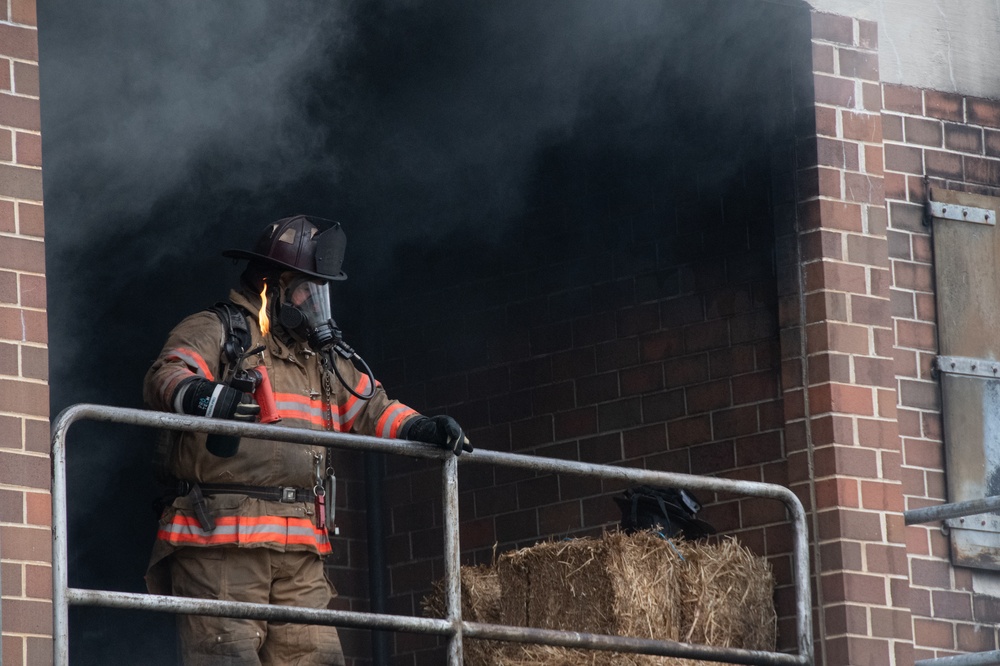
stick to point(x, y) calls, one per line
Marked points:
point(204, 398)
point(441, 430)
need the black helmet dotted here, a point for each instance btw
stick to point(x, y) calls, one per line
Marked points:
point(298, 244)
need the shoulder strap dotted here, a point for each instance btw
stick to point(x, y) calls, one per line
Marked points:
point(238, 338)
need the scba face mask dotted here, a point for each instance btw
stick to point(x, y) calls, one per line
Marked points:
point(305, 310)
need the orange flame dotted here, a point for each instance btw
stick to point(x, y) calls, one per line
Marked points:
point(265, 321)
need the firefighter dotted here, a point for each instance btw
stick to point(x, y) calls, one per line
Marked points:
point(247, 522)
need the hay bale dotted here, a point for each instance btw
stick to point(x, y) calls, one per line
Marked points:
point(480, 603)
point(627, 585)
point(727, 596)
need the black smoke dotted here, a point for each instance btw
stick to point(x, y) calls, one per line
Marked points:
point(435, 131)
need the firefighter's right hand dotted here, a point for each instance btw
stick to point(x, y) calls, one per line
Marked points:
point(204, 398)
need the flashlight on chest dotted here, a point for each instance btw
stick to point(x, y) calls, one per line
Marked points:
point(257, 382)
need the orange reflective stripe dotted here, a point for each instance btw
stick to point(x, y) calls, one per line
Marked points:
point(294, 406)
point(277, 530)
point(192, 359)
point(393, 417)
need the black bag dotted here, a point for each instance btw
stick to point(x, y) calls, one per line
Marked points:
point(667, 510)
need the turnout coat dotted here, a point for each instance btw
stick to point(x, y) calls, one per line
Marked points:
point(307, 396)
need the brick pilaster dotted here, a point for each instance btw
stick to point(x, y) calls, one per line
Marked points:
point(840, 390)
point(25, 535)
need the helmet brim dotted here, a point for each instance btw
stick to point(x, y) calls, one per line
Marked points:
point(266, 260)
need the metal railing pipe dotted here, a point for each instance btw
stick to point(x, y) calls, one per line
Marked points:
point(929, 514)
point(452, 626)
point(800, 555)
point(991, 658)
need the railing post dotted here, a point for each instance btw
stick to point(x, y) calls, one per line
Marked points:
point(452, 560)
point(60, 549)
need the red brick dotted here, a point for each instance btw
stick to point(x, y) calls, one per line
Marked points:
point(947, 106)
point(19, 112)
point(663, 406)
point(759, 449)
point(833, 28)
point(819, 182)
point(983, 112)
point(826, 121)
point(892, 127)
point(992, 143)
point(837, 492)
point(24, 398)
point(963, 138)
point(952, 605)
point(599, 388)
point(933, 633)
point(905, 159)
point(862, 126)
point(854, 587)
point(5, 80)
point(923, 132)
point(858, 64)
point(712, 458)
point(24, 616)
point(20, 182)
point(826, 305)
point(6, 147)
point(644, 441)
point(864, 188)
point(833, 90)
point(708, 396)
point(23, 11)
point(881, 496)
point(32, 291)
point(847, 461)
point(31, 220)
point(823, 55)
point(26, 79)
point(19, 42)
point(838, 215)
point(39, 508)
point(28, 148)
point(688, 431)
point(889, 623)
point(940, 164)
point(686, 371)
point(38, 581)
point(734, 422)
point(871, 96)
point(7, 216)
point(874, 160)
point(903, 99)
point(979, 170)
point(26, 543)
point(661, 345)
point(913, 276)
point(921, 453)
point(836, 276)
point(975, 638)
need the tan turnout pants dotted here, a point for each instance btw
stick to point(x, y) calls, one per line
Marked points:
point(256, 575)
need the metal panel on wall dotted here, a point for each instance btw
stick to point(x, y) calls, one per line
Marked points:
point(967, 274)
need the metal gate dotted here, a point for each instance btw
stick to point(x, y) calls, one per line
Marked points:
point(452, 626)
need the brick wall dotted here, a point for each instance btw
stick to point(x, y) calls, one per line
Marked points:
point(955, 142)
point(25, 539)
point(630, 318)
point(840, 392)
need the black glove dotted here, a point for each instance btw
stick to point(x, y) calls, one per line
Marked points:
point(204, 398)
point(441, 430)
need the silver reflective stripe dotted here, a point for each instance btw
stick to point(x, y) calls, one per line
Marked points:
point(215, 398)
point(289, 406)
point(394, 412)
point(175, 528)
